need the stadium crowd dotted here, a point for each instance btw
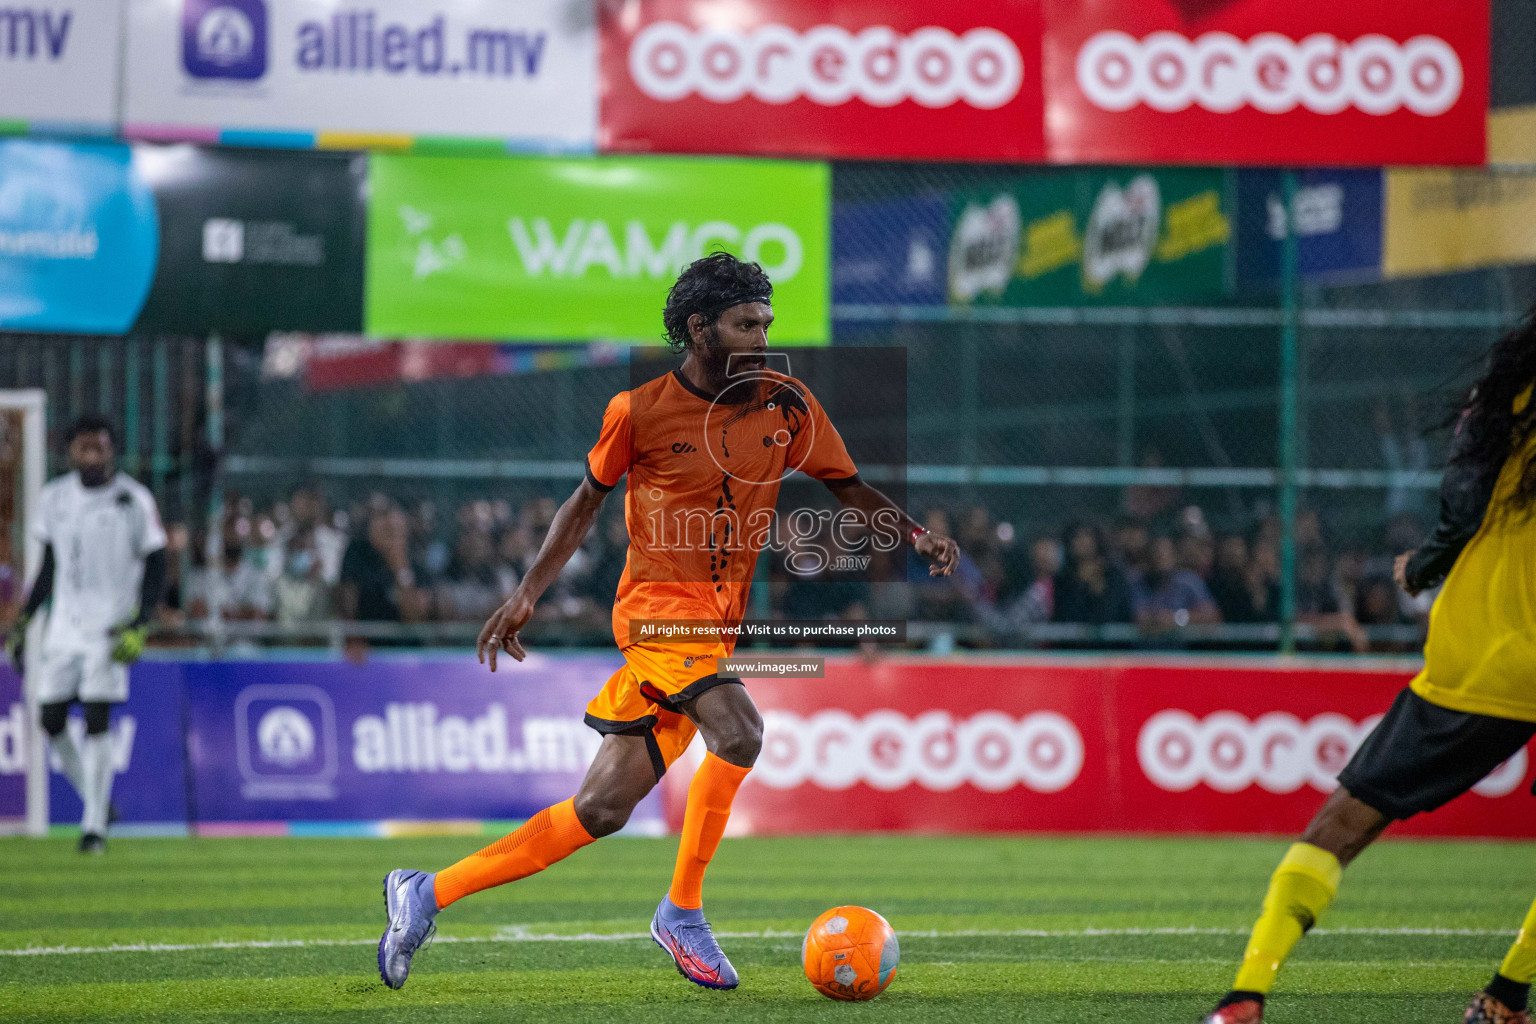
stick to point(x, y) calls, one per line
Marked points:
point(1158, 565)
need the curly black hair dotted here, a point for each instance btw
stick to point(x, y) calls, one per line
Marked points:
point(1493, 430)
point(709, 286)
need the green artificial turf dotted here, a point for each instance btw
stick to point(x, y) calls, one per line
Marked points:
point(993, 929)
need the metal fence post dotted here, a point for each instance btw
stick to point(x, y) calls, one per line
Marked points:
point(214, 548)
point(1288, 394)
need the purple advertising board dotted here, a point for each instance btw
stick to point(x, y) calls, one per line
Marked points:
point(418, 739)
point(13, 748)
point(412, 739)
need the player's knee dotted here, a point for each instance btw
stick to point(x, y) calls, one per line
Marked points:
point(743, 741)
point(601, 815)
point(98, 717)
point(54, 717)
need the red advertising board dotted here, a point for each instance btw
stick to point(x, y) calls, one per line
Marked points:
point(1267, 81)
point(1122, 746)
point(844, 78)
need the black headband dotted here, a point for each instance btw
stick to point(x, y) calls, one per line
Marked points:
point(739, 297)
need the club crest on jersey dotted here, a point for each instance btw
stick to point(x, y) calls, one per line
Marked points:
point(683, 448)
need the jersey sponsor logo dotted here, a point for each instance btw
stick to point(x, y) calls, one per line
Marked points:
point(886, 750)
point(682, 448)
point(1270, 72)
point(827, 65)
point(1278, 752)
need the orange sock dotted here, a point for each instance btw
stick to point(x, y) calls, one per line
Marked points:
point(549, 836)
point(710, 794)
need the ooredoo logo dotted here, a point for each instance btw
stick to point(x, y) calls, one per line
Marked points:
point(887, 750)
point(1269, 72)
point(828, 65)
point(1277, 751)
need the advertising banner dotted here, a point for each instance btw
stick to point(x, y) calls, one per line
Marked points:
point(1440, 222)
point(78, 237)
point(1063, 237)
point(59, 63)
point(334, 74)
point(890, 250)
point(983, 745)
point(256, 241)
point(1267, 81)
point(14, 734)
point(146, 751)
point(425, 740)
point(576, 249)
point(849, 78)
point(1337, 217)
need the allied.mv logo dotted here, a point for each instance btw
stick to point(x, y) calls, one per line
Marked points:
point(285, 737)
point(224, 38)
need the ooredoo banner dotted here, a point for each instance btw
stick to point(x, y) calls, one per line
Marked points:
point(59, 63)
point(1267, 81)
point(576, 249)
point(981, 745)
point(344, 75)
point(848, 78)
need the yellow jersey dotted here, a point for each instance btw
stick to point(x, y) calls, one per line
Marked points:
point(1480, 656)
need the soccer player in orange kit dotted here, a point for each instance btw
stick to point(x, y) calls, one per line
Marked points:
point(705, 448)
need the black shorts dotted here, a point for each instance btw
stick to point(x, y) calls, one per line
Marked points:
point(1422, 756)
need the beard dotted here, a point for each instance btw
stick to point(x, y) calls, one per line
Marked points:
point(94, 476)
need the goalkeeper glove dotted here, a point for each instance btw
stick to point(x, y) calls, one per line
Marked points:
point(16, 642)
point(130, 644)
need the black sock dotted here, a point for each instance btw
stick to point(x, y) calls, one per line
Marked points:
point(1239, 996)
point(1512, 994)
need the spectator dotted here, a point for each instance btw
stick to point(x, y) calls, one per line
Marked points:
point(1131, 542)
point(300, 592)
point(1318, 604)
point(307, 518)
point(1171, 596)
point(378, 583)
point(237, 587)
point(1150, 502)
point(1090, 587)
point(1035, 601)
point(471, 588)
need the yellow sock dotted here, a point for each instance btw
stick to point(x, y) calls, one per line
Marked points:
point(1300, 890)
point(1520, 964)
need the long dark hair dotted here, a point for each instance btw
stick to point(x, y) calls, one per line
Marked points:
point(1491, 428)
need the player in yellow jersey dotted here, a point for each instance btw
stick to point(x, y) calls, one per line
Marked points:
point(704, 449)
point(1471, 708)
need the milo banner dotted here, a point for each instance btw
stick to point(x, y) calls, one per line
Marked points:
point(1058, 238)
point(576, 249)
point(256, 241)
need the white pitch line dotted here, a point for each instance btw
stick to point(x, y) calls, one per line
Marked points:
point(523, 935)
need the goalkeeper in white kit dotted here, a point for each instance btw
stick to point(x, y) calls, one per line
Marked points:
point(102, 574)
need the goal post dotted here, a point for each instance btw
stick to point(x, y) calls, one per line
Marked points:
point(23, 465)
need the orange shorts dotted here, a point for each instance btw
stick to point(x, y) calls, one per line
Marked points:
point(644, 698)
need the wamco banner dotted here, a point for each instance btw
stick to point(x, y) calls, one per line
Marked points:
point(256, 241)
point(1049, 238)
point(59, 66)
point(576, 249)
point(335, 74)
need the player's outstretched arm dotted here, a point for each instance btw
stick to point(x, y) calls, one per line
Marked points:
point(566, 533)
point(942, 553)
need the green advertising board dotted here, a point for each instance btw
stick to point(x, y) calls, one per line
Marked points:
point(577, 249)
point(1122, 236)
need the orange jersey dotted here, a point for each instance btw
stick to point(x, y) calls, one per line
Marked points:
point(704, 475)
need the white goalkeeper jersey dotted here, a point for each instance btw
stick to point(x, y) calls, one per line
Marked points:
point(100, 537)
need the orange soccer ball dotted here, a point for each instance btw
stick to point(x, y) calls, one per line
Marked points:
point(850, 953)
